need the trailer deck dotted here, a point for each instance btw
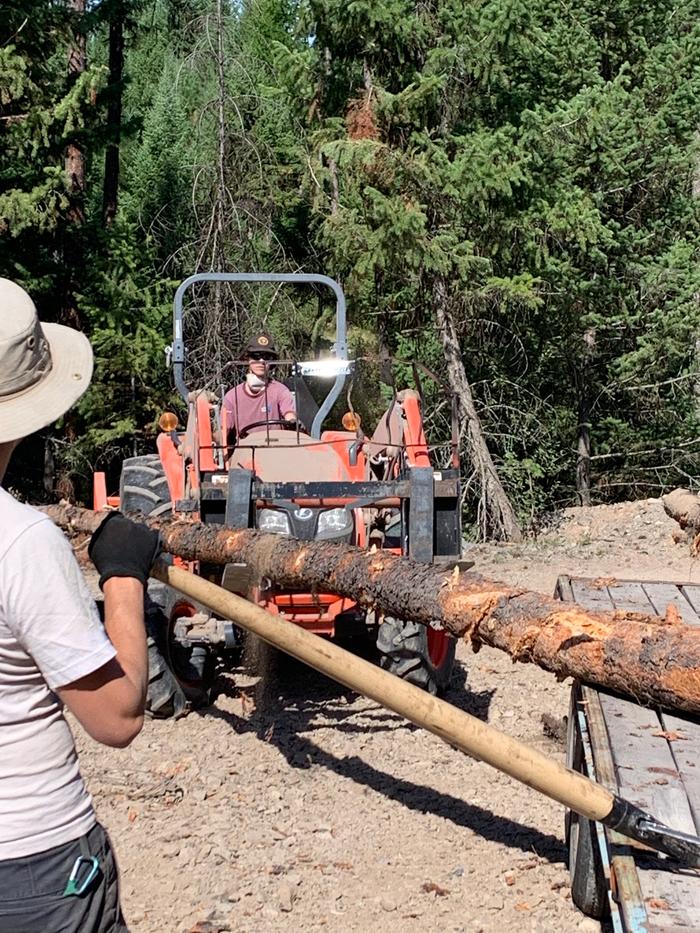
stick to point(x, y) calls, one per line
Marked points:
point(650, 757)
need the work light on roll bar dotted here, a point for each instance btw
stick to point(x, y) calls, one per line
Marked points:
point(327, 368)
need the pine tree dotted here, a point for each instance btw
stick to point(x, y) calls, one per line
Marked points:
point(43, 109)
point(528, 168)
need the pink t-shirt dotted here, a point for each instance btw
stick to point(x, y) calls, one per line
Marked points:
point(272, 404)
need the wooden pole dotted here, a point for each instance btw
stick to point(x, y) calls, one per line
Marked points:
point(459, 729)
point(453, 726)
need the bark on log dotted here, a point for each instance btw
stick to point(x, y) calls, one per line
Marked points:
point(655, 661)
point(684, 507)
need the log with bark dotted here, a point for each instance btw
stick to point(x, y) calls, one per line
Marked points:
point(683, 506)
point(653, 660)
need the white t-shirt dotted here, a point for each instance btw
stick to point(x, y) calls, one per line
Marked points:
point(50, 636)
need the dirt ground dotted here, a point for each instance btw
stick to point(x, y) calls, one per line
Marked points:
point(308, 807)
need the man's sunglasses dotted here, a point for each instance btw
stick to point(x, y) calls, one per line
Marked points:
point(263, 357)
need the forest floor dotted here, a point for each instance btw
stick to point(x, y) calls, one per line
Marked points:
point(307, 807)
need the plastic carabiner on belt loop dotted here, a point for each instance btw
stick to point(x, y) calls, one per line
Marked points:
point(83, 872)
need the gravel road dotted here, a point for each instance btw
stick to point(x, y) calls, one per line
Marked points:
point(299, 805)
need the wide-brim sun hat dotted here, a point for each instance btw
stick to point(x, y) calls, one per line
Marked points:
point(44, 368)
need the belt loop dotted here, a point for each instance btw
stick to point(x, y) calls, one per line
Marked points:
point(85, 847)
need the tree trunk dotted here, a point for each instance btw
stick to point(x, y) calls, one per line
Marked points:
point(582, 375)
point(498, 516)
point(49, 474)
point(583, 461)
point(74, 163)
point(110, 194)
point(653, 660)
point(74, 156)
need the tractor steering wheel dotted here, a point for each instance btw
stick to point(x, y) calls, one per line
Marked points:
point(282, 422)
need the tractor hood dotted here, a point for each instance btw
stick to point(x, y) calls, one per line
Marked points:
point(278, 458)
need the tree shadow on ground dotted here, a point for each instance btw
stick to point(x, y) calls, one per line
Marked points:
point(290, 699)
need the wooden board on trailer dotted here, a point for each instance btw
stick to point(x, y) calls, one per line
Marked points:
point(656, 760)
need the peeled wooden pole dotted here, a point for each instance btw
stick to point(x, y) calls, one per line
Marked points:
point(655, 661)
point(447, 722)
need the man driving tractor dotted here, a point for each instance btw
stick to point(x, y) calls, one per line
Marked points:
point(259, 400)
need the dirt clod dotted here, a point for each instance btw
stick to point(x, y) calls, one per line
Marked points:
point(285, 898)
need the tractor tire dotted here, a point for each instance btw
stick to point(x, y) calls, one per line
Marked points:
point(180, 678)
point(143, 488)
point(165, 698)
point(415, 654)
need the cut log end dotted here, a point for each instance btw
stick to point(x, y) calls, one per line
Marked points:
point(683, 506)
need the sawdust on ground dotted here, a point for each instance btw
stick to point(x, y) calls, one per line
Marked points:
point(304, 806)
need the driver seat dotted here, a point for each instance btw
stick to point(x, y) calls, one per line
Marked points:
point(305, 404)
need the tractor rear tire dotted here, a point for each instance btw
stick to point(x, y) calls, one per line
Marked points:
point(411, 653)
point(143, 487)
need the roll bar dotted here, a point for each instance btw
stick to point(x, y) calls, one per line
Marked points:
point(340, 348)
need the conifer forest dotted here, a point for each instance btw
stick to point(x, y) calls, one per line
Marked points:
point(507, 191)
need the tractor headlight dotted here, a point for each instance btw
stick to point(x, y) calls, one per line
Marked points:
point(334, 523)
point(274, 521)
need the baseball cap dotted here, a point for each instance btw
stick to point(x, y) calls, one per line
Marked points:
point(261, 342)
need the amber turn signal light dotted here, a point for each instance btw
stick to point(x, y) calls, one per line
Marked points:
point(351, 421)
point(168, 422)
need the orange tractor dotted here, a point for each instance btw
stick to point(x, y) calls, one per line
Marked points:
point(300, 479)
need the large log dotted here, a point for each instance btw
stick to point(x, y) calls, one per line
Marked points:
point(655, 661)
point(684, 507)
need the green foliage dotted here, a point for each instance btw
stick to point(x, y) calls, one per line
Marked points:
point(129, 312)
point(40, 110)
point(537, 158)
point(157, 177)
point(541, 159)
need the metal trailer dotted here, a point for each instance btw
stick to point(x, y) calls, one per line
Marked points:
point(650, 757)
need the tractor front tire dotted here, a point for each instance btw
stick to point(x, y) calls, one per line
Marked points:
point(416, 654)
point(175, 683)
point(143, 487)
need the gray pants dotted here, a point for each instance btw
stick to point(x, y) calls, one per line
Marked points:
point(31, 890)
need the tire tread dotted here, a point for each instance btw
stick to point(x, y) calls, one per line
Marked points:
point(403, 647)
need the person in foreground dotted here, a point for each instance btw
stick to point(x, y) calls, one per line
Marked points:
point(57, 869)
point(260, 399)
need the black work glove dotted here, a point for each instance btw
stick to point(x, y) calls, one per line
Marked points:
point(122, 548)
